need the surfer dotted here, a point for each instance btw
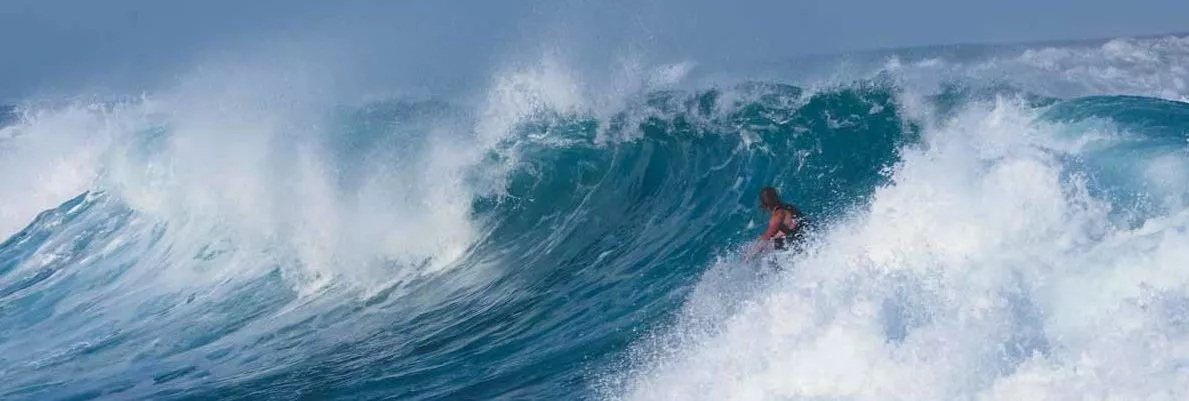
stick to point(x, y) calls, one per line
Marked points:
point(784, 227)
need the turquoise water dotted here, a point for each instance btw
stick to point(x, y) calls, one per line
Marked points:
point(980, 239)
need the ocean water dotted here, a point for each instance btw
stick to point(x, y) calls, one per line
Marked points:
point(990, 223)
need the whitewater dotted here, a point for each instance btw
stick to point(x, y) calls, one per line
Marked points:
point(990, 223)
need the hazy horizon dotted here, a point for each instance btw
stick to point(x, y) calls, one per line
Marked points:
point(63, 48)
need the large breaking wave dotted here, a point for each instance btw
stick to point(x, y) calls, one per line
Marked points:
point(1002, 225)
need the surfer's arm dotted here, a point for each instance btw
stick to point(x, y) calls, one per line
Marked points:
point(762, 242)
point(773, 227)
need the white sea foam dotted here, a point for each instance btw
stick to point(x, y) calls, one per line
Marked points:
point(1153, 67)
point(983, 272)
point(244, 156)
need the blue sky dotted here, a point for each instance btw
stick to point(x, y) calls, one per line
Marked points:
point(56, 47)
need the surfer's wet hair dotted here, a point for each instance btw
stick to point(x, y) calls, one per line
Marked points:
point(769, 199)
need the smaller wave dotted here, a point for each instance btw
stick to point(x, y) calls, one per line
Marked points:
point(1145, 66)
point(1133, 148)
